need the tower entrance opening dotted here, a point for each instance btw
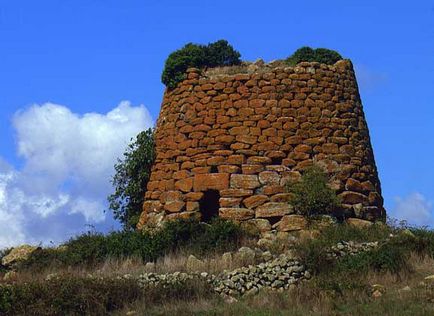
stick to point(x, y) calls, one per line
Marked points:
point(209, 205)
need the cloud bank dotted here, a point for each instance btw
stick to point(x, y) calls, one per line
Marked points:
point(68, 163)
point(415, 209)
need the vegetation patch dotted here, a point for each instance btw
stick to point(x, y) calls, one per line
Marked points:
point(312, 195)
point(68, 296)
point(321, 55)
point(219, 53)
point(91, 249)
point(131, 177)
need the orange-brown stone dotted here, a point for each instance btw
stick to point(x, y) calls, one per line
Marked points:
point(210, 181)
point(292, 223)
point(244, 181)
point(236, 213)
point(247, 135)
point(272, 209)
point(184, 185)
point(255, 200)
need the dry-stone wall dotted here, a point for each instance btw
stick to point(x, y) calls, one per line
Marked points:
point(228, 144)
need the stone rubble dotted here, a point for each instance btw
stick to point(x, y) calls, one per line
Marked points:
point(275, 273)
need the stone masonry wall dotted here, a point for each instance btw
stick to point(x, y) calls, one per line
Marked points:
point(246, 135)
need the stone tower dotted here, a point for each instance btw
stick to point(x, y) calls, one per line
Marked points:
point(227, 144)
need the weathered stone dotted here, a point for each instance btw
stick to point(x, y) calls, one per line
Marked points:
point(359, 223)
point(183, 215)
point(184, 185)
point(170, 196)
point(10, 276)
point(152, 206)
point(261, 224)
point(236, 213)
point(228, 169)
point(255, 200)
point(192, 206)
point(272, 209)
point(230, 202)
point(174, 206)
point(193, 196)
point(353, 185)
point(236, 192)
point(349, 197)
point(244, 181)
point(210, 181)
point(269, 178)
point(291, 223)
point(227, 259)
point(252, 169)
point(194, 264)
point(281, 197)
point(19, 254)
point(245, 255)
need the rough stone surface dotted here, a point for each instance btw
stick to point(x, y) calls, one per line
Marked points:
point(357, 222)
point(194, 264)
point(291, 223)
point(18, 254)
point(273, 209)
point(247, 135)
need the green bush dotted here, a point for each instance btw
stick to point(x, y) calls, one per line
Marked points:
point(93, 296)
point(389, 257)
point(312, 195)
point(68, 296)
point(423, 241)
point(91, 249)
point(220, 53)
point(321, 55)
point(130, 179)
point(314, 252)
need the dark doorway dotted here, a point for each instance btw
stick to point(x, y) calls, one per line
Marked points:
point(276, 161)
point(209, 205)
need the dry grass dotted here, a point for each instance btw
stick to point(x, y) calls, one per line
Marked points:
point(172, 262)
point(311, 299)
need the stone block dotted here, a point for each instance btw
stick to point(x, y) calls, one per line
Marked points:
point(211, 181)
point(244, 181)
point(174, 206)
point(236, 213)
point(273, 209)
point(359, 223)
point(236, 193)
point(230, 202)
point(291, 223)
point(184, 185)
point(269, 178)
point(255, 200)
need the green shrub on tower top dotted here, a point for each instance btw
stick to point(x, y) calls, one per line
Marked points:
point(321, 55)
point(219, 53)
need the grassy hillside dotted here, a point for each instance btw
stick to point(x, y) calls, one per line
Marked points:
point(380, 270)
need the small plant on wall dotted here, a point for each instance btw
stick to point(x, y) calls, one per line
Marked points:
point(312, 195)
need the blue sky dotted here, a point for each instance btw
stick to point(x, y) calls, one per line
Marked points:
point(78, 78)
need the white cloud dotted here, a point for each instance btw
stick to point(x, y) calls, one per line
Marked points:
point(415, 209)
point(369, 79)
point(68, 164)
point(11, 217)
